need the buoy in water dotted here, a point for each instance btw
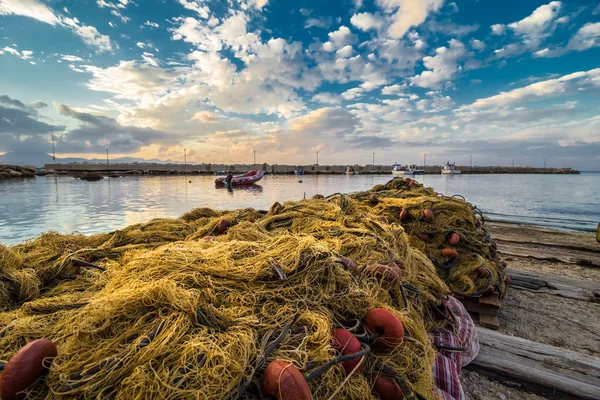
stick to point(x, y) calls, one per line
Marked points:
point(387, 389)
point(346, 343)
point(190, 181)
point(450, 253)
point(453, 239)
point(300, 181)
point(223, 225)
point(283, 381)
point(392, 330)
point(25, 367)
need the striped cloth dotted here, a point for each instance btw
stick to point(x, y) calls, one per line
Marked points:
point(448, 363)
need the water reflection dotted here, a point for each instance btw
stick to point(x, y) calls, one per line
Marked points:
point(61, 203)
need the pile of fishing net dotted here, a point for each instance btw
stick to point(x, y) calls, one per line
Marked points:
point(327, 298)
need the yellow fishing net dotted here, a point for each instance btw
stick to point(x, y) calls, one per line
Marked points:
point(172, 309)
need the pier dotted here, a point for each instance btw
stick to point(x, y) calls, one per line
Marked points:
point(209, 169)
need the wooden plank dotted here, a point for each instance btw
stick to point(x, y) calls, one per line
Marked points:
point(479, 309)
point(558, 369)
point(489, 321)
point(491, 301)
point(557, 285)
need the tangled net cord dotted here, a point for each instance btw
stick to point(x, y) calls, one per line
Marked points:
point(206, 296)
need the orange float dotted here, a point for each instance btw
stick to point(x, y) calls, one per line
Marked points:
point(427, 216)
point(450, 253)
point(223, 225)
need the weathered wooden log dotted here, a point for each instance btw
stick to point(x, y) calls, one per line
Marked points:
point(538, 282)
point(541, 366)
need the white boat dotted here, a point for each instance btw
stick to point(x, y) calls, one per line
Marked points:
point(450, 169)
point(350, 171)
point(398, 169)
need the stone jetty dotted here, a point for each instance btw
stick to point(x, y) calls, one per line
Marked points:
point(16, 171)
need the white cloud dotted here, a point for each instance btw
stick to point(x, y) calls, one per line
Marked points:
point(92, 37)
point(498, 29)
point(442, 67)
point(197, 6)
point(320, 22)
point(39, 11)
point(151, 24)
point(327, 98)
point(29, 8)
point(351, 94)
point(115, 8)
point(206, 117)
point(365, 21)
point(393, 89)
point(141, 45)
point(587, 37)
point(70, 58)
point(23, 55)
point(540, 90)
point(539, 23)
point(338, 39)
point(345, 51)
point(408, 13)
point(477, 44)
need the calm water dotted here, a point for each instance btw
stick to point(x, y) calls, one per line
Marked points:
point(64, 204)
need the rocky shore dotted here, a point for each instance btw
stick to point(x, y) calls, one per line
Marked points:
point(15, 171)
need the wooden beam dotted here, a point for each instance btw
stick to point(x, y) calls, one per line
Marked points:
point(557, 285)
point(540, 365)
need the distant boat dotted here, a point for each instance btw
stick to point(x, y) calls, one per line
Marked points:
point(299, 171)
point(248, 178)
point(350, 171)
point(398, 169)
point(450, 169)
point(220, 173)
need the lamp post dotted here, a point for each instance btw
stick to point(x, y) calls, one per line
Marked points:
point(53, 149)
point(254, 151)
point(317, 157)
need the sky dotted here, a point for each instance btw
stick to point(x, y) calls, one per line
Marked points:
point(347, 78)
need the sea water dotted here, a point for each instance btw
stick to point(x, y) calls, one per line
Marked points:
point(64, 204)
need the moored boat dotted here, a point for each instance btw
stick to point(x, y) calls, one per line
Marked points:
point(248, 178)
point(299, 171)
point(350, 171)
point(450, 169)
point(398, 169)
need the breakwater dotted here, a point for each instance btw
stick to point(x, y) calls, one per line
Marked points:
point(209, 169)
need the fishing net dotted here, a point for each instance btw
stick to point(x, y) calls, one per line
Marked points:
point(187, 308)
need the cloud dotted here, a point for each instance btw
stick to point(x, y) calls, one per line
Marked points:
point(205, 117)
point(327, 121)
point(327, 98)
point(202, 10)
point(477, 45)
point(29, 8)
point(338, 39)
point(540, 90)
point(393, 89)
point(151, 24)
point(498, 29)
point(96, 132)
point(539, 23)
point(587, 37)
point(366, 21)
point(320, 22)
point(23, 55)
point(70, 58)
point(408, 13)
point(441, 67)
point(129, 79)
point(39, 11)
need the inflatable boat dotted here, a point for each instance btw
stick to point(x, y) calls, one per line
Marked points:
point(248, 178)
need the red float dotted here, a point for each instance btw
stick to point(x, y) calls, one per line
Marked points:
point(381, 320)
point(25, 367)
point(450, 253)
point(387, 389)
point(284, 381)
point(347, 343)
